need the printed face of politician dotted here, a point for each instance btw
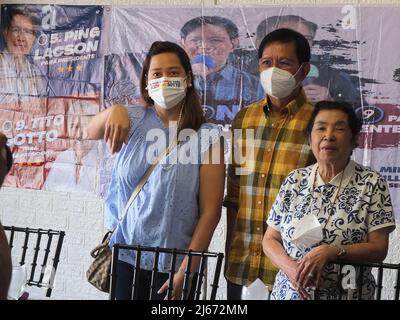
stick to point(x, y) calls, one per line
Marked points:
point(210, 40)
point(300, 27)
point(20, 35)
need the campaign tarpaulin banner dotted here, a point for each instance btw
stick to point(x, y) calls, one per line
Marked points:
point(222, 43)
point(50, 91)
point(353, 58)
point(51, 67)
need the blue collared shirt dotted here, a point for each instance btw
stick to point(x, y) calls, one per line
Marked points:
point(166, 211)
point(20, 80)
point(225, 92)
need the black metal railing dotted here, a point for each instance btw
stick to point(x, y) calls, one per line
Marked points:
point(361, 270)
point(188, 282)
point(41, 249)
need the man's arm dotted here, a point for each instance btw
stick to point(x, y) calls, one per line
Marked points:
point(5, 265)
point(231, 215)
point(231, 200)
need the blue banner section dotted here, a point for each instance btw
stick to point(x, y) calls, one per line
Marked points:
point(65, 48)
point(51, 75)
point(69, 49)
point(121, 78)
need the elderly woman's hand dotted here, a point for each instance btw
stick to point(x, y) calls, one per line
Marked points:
point(310, 268)
point(291, 273)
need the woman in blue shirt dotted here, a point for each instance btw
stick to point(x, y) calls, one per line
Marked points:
point(180, 205)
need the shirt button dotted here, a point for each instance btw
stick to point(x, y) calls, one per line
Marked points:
point(263, 175)
point(259, 201)
point(269, 149)
point(272, 125)
point(255, 254)
point(258, 229)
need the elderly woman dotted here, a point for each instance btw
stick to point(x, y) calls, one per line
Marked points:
point(335, 209)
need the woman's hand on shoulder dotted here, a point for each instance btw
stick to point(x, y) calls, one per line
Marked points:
point(116, 128)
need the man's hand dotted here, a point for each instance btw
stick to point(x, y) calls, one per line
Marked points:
point(200, 69)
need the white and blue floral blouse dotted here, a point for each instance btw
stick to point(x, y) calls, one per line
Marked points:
point(362, 205)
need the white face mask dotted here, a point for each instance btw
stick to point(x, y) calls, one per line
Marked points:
point(167, 92)
point(278, 83)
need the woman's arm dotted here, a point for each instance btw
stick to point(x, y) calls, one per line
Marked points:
point(273, 249)
point(5, 265)
point(112, 125)
point(374, 250)
point(212, 179)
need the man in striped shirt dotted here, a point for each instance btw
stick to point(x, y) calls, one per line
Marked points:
point(271, 132)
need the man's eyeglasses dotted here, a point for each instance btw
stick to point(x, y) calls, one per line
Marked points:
point(213, 42)
point(26, 32)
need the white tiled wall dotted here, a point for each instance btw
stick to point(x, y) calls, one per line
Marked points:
point(79, 215)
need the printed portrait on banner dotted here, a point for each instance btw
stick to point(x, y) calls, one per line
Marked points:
point(60, 65)
point(51, 74)
point(351, 60)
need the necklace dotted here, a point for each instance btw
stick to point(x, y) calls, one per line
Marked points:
point(167, 166)
point(334, 199)
point(180, 114)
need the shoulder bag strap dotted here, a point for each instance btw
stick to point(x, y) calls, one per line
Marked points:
point(146, 176)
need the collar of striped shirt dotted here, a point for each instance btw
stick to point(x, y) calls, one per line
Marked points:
point(291, 108)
